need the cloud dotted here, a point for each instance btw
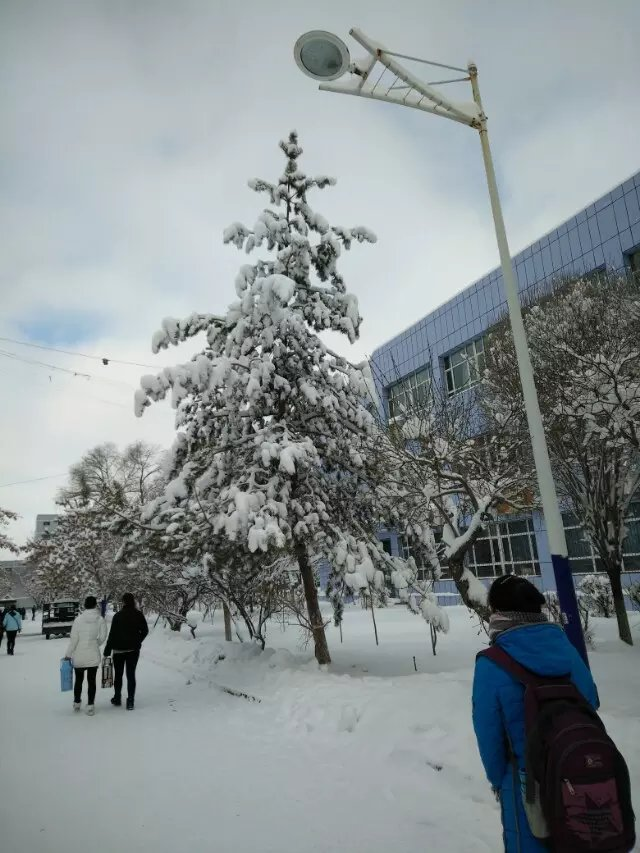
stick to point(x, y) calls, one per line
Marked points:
point(130, 131)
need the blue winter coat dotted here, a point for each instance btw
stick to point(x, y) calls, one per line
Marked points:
point(498, 716)
point(12, 621)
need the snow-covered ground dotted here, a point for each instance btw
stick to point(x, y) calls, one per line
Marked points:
point(369, 756)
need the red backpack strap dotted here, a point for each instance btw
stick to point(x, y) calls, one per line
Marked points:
point(510, 665)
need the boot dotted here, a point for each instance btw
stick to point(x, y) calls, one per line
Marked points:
point(76, 706)
point(90, 710)
point(129, 704)
point(117, 701)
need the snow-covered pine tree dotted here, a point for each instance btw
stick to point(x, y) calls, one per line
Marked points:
point(274, 438)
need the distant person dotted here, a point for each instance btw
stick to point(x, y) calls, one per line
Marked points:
point(12, 623)
point(527, 653)
point(33, 614)
point(88, 633)
point(2, 612)
point(128, 630)
point(23, 613)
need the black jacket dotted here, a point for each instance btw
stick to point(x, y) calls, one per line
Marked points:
point(128, 630)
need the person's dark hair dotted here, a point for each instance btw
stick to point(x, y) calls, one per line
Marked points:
point(90, 602)
point(514, 593)
point(128, 600)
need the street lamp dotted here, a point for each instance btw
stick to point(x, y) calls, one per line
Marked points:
point(321, 56)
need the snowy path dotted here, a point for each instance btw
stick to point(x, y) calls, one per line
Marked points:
point(326, 762)
point(191, 768)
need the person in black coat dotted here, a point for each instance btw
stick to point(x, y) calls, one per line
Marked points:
point(128, 630)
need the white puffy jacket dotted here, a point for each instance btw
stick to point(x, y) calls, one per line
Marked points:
point(88, 633)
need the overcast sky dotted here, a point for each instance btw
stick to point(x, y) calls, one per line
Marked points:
point(130, 129)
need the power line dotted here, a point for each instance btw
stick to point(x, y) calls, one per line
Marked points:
point(34, 480)
point(43, 364)
point(83, 393)
point(55, 367)
point(106, 360)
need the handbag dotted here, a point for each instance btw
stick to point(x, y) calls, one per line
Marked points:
point(66, 675)
point(107, 672)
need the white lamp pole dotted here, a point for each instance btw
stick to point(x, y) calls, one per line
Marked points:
point(325, 57)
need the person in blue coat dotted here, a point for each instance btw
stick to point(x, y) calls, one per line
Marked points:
point(520, 628)
point(12, 623)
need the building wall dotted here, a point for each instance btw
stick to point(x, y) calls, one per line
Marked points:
point(604, 234)
point(12, 584)
point(46, 524)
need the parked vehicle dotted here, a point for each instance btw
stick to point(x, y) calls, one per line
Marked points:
point(58, 616)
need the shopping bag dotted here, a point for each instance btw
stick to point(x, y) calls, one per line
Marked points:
point(66, 675)
point(107, 672)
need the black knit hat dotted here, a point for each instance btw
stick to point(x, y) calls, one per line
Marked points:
point(514, 593)
point(90, 602)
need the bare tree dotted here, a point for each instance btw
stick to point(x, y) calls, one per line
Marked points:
point(78, 558)
point(115, 481)
point(450, 466)
point(6, 543)
point(584, 338)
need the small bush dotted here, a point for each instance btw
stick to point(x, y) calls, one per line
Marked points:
point(595, 591)
point(633, 591)
point(555, 615)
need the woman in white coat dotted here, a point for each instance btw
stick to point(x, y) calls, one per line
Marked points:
point(88, 633)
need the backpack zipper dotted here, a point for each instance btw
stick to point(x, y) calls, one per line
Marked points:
point(568, 751)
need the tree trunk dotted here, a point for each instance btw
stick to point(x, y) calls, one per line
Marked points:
point(313, 607)
point(228, 635)
point(176, 624)
point(373, 616)
point(462, 585)
point(624, 630)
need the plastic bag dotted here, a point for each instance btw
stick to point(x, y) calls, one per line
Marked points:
point(66, 675)
point(107, 672)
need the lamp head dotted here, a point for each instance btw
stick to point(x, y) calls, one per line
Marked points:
point(321, 55)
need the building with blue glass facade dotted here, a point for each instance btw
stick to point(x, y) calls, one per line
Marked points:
point(445, 345)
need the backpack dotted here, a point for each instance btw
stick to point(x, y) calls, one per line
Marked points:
point(576, 790)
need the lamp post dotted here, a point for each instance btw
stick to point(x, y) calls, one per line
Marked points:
point(323, 56)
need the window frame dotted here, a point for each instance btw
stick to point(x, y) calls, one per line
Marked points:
point(469, 360)
point(407, 393)
point(589, 557)
point(424, 571)
point(499, 539)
